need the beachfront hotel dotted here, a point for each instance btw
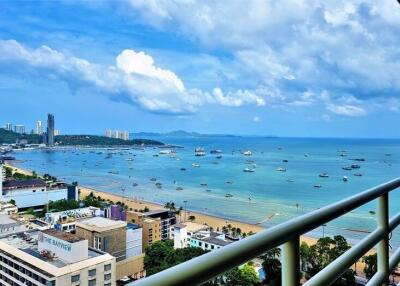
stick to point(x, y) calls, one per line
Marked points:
point(34, 193)
point(53, 258)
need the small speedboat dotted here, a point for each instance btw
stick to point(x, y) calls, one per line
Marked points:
point(219, 157)
point(228, 196)
point(347, 168)
point(323, 175)
point(135, 184)
point(355, 166)
point(216, 151)
point(345, 179)
point(281, 169)
point(247, 153)
point(153, 179)
point(183, 169)
point(248, 170)
point(285, 161)
point(179, 188)
point(317, 186)
point(195, 165)
point(358, 174)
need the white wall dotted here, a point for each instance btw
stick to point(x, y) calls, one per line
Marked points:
point(26, 198)
point(133, 242)
point(180, 237)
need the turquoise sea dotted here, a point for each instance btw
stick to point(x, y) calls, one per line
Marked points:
point(266, 195)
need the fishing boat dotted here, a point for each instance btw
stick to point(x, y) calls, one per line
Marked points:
point(317, 186)
point(248, 170)
point(219, 157)
point(229, 182)
point(194, 165)
point(323, 175)
point(179, 188)
point(290, 180)
point(355, 166)
point(228, 196)
point(347, 168)
point(203, 184)
point(285, 161)
point(155, 155)
point(199, 151)
point(135, 184)
point(247, 153)
point(281, 169)
point(129, 159)
point(165, 152)
point(358, 174)
point(113, 172)
point(217, 151)
point(345, 179)
point(358, 159)
point(183, 169)
point(153, 179)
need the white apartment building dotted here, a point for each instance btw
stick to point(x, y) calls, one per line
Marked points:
point(53, 258)
point(181, 232)
point(208, 240)
point(133, 240)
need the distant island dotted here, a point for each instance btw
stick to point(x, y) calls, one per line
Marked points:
point(10, 137)
point(178, 133)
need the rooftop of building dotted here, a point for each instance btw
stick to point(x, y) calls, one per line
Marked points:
point(132, 226)
point(100, 224)
point(21, 184)
point(6, 220)
point(66, 236)
point(216, 241)
point(191, 226)
point(28, 243)
point(161, 213)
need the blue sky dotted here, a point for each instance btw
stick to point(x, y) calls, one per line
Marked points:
point(288, 68)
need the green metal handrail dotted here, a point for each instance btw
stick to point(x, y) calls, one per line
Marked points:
point(205, 267)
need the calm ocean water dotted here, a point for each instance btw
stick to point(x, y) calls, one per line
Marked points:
point(265, 196)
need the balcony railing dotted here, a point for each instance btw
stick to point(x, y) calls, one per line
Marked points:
point(287, 234)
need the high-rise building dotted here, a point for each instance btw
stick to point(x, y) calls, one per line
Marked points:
point(125, 135)
point(56, 132)
point(19, 129)
point(50, 129)
point(39, 127)
point(8, 126)
point(108, 133)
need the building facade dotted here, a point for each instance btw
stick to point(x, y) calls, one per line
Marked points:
point(50, 130)
point(53, 258)
point(39, 127)
point(19, 129)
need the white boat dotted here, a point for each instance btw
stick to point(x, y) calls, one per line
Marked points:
point(165, 152)
point(195, 165)
point(323, 175)
point(199, 151)
point(129, 159)
point(281, 169)
point(247, 153)
point(345, 179)
point(248, 170)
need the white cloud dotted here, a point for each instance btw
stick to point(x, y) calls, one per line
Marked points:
point(135, 75)
point(346, 109)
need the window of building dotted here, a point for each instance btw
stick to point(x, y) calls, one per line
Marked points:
point(97, 242)
point(107, 267)
point(75, 278)
point(92, 272)
point(92, 282)
point(212, 246)
point(206, 245)
point(107, 276)
point(200, 243)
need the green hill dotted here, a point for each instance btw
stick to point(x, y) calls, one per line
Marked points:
point(10, 137)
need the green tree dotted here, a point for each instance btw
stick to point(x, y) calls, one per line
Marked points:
point(12, 201)
point(272, 267)
point(191, 218)
point(161, 255)
point(243, 276)
point(370, 267)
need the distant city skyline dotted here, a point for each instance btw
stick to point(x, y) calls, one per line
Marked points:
point(302, 69)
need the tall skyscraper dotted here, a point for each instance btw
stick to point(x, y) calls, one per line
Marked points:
point(39, 127)
point(19, 129)
point(56, 132)
point(125, 135)
point(8, 126)
point(109, 133)
point(50, 129)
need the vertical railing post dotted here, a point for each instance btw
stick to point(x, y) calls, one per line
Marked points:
point(291, 262)
point(383, 245)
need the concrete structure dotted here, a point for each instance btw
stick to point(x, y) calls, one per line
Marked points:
point(104, 234)
point(8, 126)
point(122, 240)
point(208, 240)
point(19, 129)
point(133, 240)
point(151, 231)
point(50, 130)
point(34, 192)
point(59, 219)
point(8, 208)
point(39, 127)
point(53, 258)
point(9, 225)
point(181, 232)
point(124, 135)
